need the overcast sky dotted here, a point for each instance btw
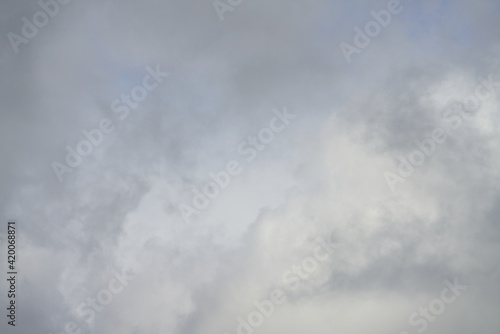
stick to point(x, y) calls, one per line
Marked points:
point(382, 143)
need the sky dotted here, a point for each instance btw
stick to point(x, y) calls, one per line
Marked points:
point(237, 166)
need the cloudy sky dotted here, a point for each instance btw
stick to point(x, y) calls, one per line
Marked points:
point(173, 165)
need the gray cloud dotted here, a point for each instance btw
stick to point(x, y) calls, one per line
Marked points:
point(324, 174)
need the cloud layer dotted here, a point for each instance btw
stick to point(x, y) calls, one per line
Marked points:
point(322, 176)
